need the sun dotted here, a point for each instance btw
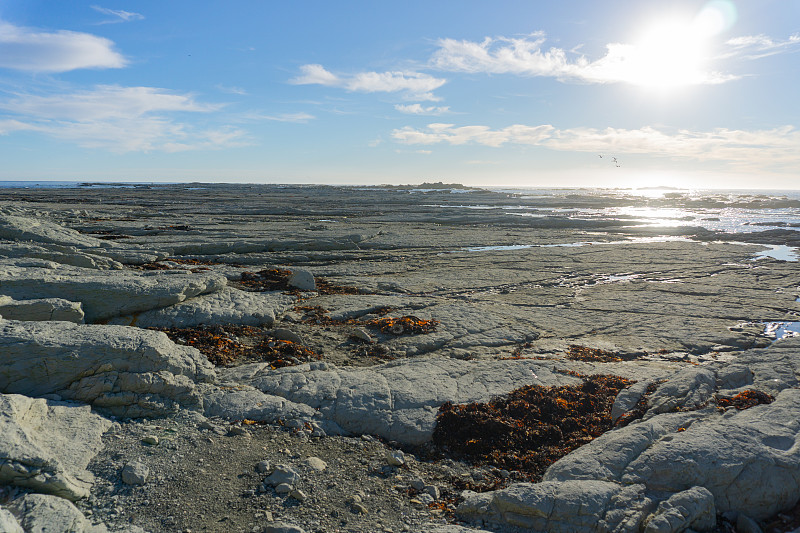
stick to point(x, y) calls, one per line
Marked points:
point(675, 52)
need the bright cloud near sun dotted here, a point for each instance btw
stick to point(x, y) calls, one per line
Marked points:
point(669, 52)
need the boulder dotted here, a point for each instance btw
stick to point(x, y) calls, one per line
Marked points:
point(302, 279)
point(124, 371)
point(41, 309)
point(46, 445)
point(106, 294)
point(227, 306)
point(43, 513)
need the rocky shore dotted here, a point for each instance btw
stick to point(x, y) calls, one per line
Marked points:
point(274, 359)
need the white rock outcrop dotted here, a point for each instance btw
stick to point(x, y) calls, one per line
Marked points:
point(106, 294)
point(227, 306)
point(46, 445)
point(43, 513)
point(41, 310)
point(125, 371)
point(397, 401)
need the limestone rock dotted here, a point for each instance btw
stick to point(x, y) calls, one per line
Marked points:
point(46, 445)
point(42, 309)
point(748, 460)
point(692, 508)
point(40, 512)
point(227, 306)
point(302, 279)
point(18, 228)
point(126, 371)
point(690, 388)
point(397, 401)
point(105, 294)
point(560, 506)
point(9, 524)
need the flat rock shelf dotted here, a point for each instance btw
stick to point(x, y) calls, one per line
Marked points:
point(256, 358)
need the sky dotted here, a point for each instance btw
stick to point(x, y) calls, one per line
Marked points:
point(622, 93)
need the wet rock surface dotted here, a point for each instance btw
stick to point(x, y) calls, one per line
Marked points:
point(312, 334)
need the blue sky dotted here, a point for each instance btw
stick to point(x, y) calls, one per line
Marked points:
point(683, 93)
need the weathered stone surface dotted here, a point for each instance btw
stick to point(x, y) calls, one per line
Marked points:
point(689, 509)
point(687, 389)
point(9, 524)
point(748, 460)
point(46, 445)
point(126, 371)
point(18, 228)
point(105, 294)
point(67, 255)
point(560, 507)
point(227, 306)
point(42, 309)
point(397, 401)
point(43, 513)
point(240, 401)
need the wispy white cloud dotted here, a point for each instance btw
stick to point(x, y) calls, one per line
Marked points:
point(119, 119)
point(778, 145)
point(419, 109)
point(527, 56)
point(437, 133)
point(61, 51)
point(417, 84)
point(232, 90)
point(284, 117)
point(758, 46)
point(118, 15)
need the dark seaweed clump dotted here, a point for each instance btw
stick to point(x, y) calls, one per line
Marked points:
point(532, 427)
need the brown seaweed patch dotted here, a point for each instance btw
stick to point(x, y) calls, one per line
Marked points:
point(593, 355)
point(227, 345)
point(746, 399)
point(531, 427)
point(407, 324)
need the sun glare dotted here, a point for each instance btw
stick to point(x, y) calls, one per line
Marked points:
point(674, 53)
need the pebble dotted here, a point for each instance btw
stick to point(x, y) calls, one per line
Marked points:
point(432, 491)
point(417, 484)
point(360, 509)
point(263, 467)
point(283, 488)
point(395, 457)
point(315, 463)
point(135, 473)
point(238, 430)
point(298, 495)
point(282, 527)
point(152, 440)
point(283, 474)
